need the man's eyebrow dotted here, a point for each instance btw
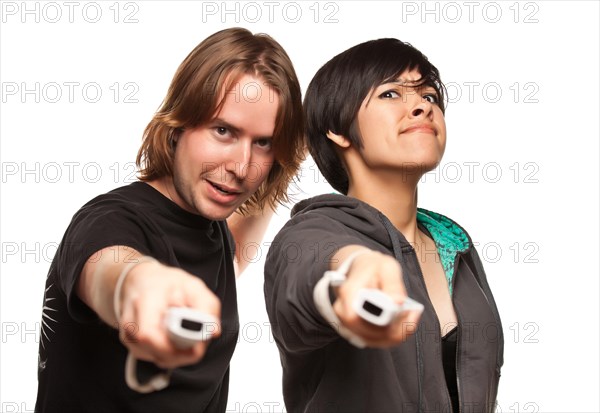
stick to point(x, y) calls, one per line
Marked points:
point(225, 124)
point(233, 128)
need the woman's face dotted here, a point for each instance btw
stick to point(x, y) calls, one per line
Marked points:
point(402, 127)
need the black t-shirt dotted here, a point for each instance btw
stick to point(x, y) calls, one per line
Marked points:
point(81, 361)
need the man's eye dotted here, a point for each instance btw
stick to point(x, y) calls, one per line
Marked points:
point(221, 130)
point(264, 143)
point(432, 98)
point(389, 94)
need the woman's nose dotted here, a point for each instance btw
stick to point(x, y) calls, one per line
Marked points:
point(421, 107)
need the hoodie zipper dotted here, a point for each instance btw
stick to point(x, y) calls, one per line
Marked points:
point(422, 278)
point(398, 254)
point(458, 335)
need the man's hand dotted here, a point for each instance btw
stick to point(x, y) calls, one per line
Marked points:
point(148, 291)
point(373, 270)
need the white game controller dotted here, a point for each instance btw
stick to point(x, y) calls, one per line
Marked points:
point(187, 326)
point(377, 307)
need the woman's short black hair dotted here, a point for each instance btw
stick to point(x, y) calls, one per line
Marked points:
point(338, 89)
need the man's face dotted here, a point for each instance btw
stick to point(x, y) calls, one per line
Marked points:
point(219, 165)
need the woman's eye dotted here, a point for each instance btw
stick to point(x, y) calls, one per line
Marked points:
point(389, 94)
point(432, 98)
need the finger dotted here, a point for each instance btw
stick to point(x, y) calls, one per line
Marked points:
point(400, 330)
point(152, 335)
point(176, 296)
point(353, 322)
point(380, 336)
point(405, 325)
point(169, 357)
point(364, 275)
point(182, 357)
point(390, 280)
point(200, 297)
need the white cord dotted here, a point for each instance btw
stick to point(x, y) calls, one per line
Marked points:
point(323, 302)
point(159, 381)
point(121, 281)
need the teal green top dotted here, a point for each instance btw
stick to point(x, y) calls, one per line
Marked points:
point(449, 239)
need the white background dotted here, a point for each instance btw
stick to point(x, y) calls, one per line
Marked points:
point(520, 170)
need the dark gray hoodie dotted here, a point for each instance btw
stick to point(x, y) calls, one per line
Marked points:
point(322, 372)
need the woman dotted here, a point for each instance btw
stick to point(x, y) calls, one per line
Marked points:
point(375, 125)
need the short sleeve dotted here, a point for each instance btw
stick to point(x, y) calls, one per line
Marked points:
point(99, 224)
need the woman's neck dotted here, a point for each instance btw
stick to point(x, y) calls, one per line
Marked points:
point(396, 200)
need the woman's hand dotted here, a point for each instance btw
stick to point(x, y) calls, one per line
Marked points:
point(373, 270)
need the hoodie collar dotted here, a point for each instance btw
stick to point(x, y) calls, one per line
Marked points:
point(449, 237)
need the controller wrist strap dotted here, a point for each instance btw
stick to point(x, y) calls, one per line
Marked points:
point(322, 301)
point(157, 382)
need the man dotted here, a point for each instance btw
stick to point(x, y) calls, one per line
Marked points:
point(228, 137)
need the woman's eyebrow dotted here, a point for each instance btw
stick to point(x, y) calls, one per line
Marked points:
point(402, 82)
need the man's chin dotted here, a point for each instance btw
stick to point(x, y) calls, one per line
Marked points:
point(218, 214)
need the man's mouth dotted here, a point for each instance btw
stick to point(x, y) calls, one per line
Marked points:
point(224, 189)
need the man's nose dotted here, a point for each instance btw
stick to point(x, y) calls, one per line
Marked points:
point(240, 159)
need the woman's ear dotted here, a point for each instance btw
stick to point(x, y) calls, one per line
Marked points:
point(339, 140)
